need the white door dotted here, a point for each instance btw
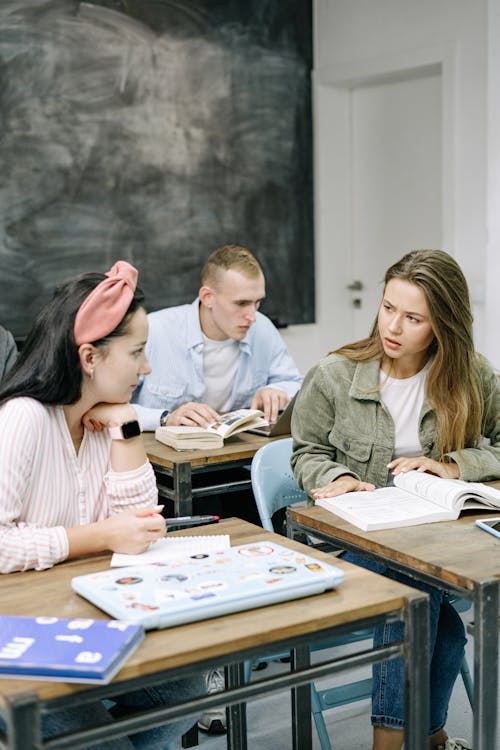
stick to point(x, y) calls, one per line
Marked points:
point(380, 190)
point(396, 182)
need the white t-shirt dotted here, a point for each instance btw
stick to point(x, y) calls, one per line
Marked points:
point(404, 397)
point(220, 365)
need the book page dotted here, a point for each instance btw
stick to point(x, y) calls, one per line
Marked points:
point(388, 507)
point(229, 423)
point(453, 494)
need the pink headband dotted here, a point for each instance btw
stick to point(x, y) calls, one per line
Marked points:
point(106, 305)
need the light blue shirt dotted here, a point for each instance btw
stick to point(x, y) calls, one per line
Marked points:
point(175, 353)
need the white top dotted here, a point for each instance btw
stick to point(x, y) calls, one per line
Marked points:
point(221, 360)
point(404, 397)
point(45, 486)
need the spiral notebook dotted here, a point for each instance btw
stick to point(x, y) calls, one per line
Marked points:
point(172, 547)
point(207, 584)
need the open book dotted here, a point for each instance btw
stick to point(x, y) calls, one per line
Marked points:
point(416, 498)
point(213, 436)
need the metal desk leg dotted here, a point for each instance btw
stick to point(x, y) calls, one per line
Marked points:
point(24, 724)
point(417, 699)
point(301, 702)
point(236, 715)
point(183, 496)
point(486, 599)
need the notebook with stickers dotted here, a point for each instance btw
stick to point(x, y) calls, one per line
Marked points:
point(208, 584)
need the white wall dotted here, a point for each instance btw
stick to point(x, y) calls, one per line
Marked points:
point(351, 35)
point(492, 316)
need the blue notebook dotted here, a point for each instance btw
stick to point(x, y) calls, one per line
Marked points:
point(208, 584)
point(77, 650)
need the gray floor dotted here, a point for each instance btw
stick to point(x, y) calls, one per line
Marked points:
point(349, 726)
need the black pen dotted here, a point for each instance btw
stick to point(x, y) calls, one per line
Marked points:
point(191, 520)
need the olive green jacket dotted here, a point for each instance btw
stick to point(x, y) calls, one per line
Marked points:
point(340, 426)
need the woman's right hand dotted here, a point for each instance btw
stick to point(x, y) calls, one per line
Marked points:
point(344, 483)
point(132, 531)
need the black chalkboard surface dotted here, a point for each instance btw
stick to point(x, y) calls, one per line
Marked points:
point(154, 131)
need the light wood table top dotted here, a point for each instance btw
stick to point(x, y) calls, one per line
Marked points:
point(239, 447)
point(457, 552)
point(361, 595)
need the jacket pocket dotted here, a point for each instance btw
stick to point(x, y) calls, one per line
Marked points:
point(352, 451)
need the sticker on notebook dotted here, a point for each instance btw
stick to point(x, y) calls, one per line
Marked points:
point(256, 550)
point(282, 569)
point(314, 566)
point(128, 580)
point(163, 595)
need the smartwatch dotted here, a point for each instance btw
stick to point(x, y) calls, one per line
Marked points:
point(126, 431)
point(164, 417)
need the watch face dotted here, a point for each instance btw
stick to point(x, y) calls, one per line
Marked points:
point(131, 429)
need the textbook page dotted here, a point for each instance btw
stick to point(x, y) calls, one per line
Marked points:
point(237, 421)
point(454, 494)
point(385, 508)
point(416, 498)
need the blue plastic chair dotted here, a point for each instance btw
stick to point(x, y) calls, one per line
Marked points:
point(274, 487)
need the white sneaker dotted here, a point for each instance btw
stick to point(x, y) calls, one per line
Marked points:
point(213, 721)
point(455, 744)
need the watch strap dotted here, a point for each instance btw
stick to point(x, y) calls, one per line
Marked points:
point(125, 431)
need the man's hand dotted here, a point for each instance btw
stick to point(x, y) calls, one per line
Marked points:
point(271, 401)
point(192, 414)
point(344, 483)
point(421, 463)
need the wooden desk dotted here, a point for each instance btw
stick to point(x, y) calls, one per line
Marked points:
point(363, 599)
point(455, 556)
point(179, 467)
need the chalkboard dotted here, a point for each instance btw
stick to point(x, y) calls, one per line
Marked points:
point(154, 131)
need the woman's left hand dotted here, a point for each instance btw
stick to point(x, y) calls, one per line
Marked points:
point(422, 463)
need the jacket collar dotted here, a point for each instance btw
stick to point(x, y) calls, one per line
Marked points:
point(365, 383)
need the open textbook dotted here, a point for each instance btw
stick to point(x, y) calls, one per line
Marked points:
point(417, 497)
point(213, 436)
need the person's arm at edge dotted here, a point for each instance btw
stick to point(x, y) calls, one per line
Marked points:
point(313, 457)
point(283, 373)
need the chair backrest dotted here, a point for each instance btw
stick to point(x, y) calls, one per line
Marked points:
point(273, 483)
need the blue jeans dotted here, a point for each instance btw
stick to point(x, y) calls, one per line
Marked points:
point(161, 738)
point(447, 644)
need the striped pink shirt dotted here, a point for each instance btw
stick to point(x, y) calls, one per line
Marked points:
point(45, 486)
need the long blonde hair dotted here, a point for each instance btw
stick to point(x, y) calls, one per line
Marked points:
point(453, 385)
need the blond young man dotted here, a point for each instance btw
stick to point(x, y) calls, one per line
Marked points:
point(218, 353)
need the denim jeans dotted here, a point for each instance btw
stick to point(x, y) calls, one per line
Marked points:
point(447, 644)
point(161, 738)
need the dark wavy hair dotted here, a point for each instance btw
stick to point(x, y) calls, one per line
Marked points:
point(48, 367)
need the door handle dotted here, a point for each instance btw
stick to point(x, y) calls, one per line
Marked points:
point(355, 286)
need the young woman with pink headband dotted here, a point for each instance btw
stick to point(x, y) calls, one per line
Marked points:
point(74, 475)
